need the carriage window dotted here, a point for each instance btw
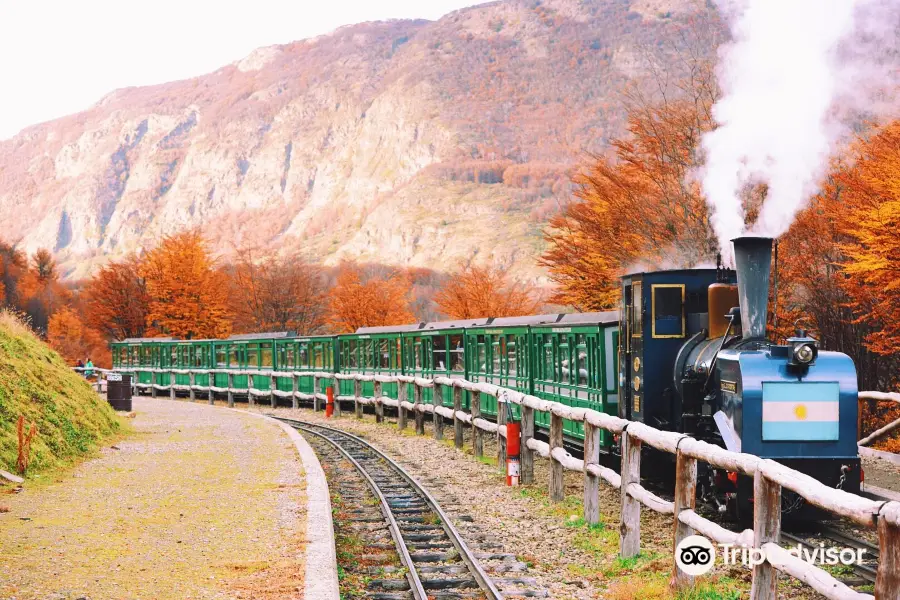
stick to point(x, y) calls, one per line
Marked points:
point(265, 351)
point(511, 368)
point(368, 360)
point(549, 368)
point(439, 352)
point(581, 359)
point(496, 353)
point(235, 357)
point(397, 353)
point(351, 354)
point(384, 354)
point(221, 357)
point(457, 354)
point(565, 363)
point(481, 361)
point(318, 356)
point(668, 311)
point(328, 354)
point(253, 355)
point(637, 317)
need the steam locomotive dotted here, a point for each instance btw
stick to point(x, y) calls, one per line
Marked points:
point(694, 358)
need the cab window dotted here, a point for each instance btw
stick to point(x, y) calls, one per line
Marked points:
point(668, 310)
point(637, 317)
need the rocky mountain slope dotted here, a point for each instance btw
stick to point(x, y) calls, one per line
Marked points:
point(405, 142)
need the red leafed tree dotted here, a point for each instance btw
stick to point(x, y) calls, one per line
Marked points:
point(361, 299)
point(188, 294)
point(116, 300)
point(75, 341)
point(475, 291)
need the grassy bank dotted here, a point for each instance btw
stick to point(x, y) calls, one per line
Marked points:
point(71, 419)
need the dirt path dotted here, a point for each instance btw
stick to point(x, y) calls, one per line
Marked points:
point(199, 503)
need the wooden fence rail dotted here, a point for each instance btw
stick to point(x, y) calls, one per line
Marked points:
point(769, 476)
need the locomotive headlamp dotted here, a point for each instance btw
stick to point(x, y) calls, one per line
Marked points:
point(803, 350)
point(805, 353)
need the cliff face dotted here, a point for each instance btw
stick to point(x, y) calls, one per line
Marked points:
point(405, 142)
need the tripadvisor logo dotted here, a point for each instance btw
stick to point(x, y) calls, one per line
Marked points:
point(696, 555)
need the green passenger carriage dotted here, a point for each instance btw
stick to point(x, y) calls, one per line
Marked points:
point(574, 360)
point(437, 350)
point(371, 351)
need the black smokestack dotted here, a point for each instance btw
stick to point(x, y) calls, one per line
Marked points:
point(753, 261)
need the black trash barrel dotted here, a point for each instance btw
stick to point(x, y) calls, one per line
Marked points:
point(118, 391)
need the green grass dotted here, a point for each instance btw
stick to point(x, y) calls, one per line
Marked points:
point(71, 419)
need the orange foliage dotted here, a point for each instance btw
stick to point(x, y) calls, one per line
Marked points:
point(74, 341)
point(116, 300)
point(485, 292)
point(632, 210)
point(272, 294)
point(872, 225)
point(361, 300)
point(188, 294)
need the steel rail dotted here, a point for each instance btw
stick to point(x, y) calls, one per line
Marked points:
point(864, 571)
point(415, 582)
point(475, 569)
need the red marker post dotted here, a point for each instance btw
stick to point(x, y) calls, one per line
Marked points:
point(513, 435)
point(329, 402)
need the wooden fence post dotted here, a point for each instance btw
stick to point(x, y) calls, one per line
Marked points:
point(501, 441)
point(591, 481)
point(379, 407)
point(357, 395)
point(230, 389)
point(526, 456)
point(420, 416)
point(315, 393)
point(192, 379)
point(153, 390)
point(209, 387)
point(402, 393)
point(887, 580)
point(251, 399)
point(272, 396)
point(685, 499)
point(477, 433)
point(171, 385)
point(557, 484)
point(336, 387)
point(766, 528)
point(295, 387)
point(437, 418)
point(457, 423)
point(630, 527)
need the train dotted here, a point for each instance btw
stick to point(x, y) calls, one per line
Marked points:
point(687, 351)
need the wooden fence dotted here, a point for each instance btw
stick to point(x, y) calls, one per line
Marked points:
point(769, 476)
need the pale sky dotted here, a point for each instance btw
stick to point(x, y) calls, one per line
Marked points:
point(61, 56)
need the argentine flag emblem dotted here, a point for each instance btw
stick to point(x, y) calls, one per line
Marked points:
point(805, 411)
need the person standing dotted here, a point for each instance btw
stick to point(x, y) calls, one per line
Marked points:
point(88, 369)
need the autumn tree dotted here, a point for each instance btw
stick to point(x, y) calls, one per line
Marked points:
point(475, 291)
point(872, 223)
point(188, 294)
point(116, 301)
point(367, 299)
point(276, 294)
point(69, 336)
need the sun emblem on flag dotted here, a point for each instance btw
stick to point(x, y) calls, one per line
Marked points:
point(800, 411)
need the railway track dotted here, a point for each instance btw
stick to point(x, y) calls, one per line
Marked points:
point(389, 511)
point(828, 536)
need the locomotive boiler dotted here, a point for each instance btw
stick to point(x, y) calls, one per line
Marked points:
point(695, 358)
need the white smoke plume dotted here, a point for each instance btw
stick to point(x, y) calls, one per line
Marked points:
point(794, 77)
